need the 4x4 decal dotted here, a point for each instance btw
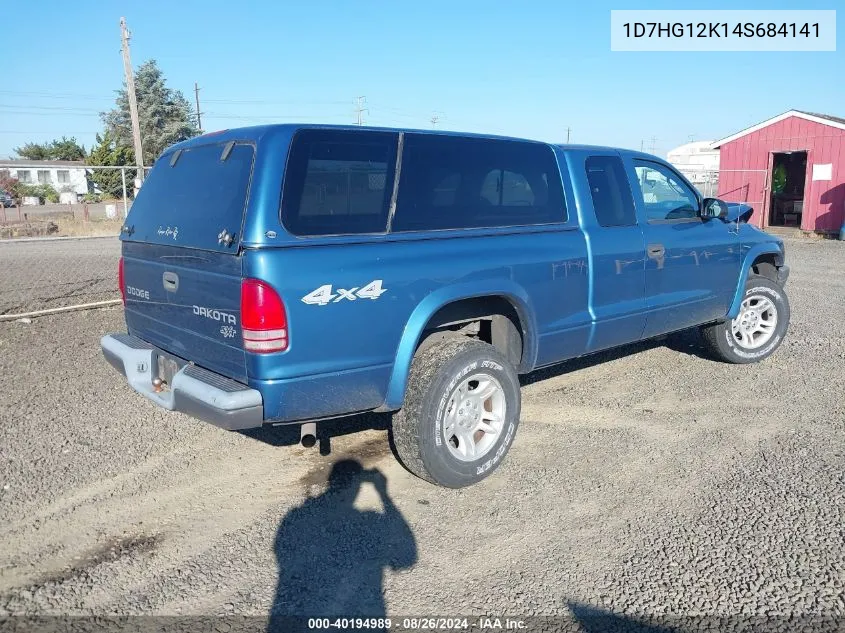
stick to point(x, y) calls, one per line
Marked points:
point(324, 294)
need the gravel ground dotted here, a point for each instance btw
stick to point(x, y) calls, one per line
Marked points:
point(643, 483)
point(41, 274)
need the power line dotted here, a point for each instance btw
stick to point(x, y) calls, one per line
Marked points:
point(270, 119)
point(52, 114)
point(419, 116)
point(54, 134)
point(56, 95)
point(273, 102)
point(50, 108)
point(70, 95)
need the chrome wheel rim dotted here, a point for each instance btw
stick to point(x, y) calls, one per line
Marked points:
point(474, 417)
point(756, 323)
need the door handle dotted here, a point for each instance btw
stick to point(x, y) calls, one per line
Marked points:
point(655, 251)
point(170, 281)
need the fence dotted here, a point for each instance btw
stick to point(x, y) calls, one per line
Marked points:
point(748, 186)
point(55, 256)
point(48, 275)
point(93, 200)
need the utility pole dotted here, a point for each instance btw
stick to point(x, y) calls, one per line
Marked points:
point(133, 104)
point(653, 145)
point(360, 102)
point(434, 119)
point(568, 130)
point(199, 115)
point(642, 143)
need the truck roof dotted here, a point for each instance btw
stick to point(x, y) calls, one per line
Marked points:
point(256, 132)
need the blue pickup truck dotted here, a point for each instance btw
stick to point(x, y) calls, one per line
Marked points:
point(295, 273)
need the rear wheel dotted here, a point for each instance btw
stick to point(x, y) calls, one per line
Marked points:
point(460, 413)
point(758, 329)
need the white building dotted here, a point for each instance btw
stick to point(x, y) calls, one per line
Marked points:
point(698, 161)
point(66, 176)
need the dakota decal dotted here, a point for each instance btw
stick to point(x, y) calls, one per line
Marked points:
point(216, 315)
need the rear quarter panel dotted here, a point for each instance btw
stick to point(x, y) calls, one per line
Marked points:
point(344, 354)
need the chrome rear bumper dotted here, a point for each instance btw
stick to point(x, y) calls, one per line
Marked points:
point(193, 390)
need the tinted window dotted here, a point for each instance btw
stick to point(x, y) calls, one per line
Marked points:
point(446, 189)
point(665, 195)
point(609, 189)
point(187, 200)
point(338, 182)
point(452, 182)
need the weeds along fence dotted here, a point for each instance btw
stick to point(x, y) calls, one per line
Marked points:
point(58, 256)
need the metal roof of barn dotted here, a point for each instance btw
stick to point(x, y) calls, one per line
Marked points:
point(824, 119)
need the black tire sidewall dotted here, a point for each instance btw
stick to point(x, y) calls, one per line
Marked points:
point(443, 467)
point(727, 344)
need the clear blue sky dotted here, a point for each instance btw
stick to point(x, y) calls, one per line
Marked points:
point(529, 69)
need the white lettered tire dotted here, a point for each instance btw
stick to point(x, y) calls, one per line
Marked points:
point(759, 328)
point(460, 414)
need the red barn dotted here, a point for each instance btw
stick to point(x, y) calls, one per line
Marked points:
point(791, 169)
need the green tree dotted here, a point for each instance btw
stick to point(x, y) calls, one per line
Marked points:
point(165, 115)
point(32, 151)
point(66, 149)
point(58, 149)
point(108, 150)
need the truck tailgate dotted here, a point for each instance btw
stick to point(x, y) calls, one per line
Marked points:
point(186, 302)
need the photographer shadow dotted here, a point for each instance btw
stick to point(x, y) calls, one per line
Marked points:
point(332, 556)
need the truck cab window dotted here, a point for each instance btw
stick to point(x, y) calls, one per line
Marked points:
point(505, 188)
point(664, 195)
point(338, 182)
point(610, 191)
point(451, 182)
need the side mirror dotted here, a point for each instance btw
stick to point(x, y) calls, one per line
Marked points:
point(712, 208)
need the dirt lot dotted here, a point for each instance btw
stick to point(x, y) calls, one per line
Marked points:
point(647, 481)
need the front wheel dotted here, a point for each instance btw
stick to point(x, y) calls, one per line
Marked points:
point(460, 413)
point(758, 329)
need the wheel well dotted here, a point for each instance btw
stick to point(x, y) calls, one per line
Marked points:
point(766, 266)
point(493, 320)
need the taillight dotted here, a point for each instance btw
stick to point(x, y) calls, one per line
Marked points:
point(120, 281)
point(264, 322)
